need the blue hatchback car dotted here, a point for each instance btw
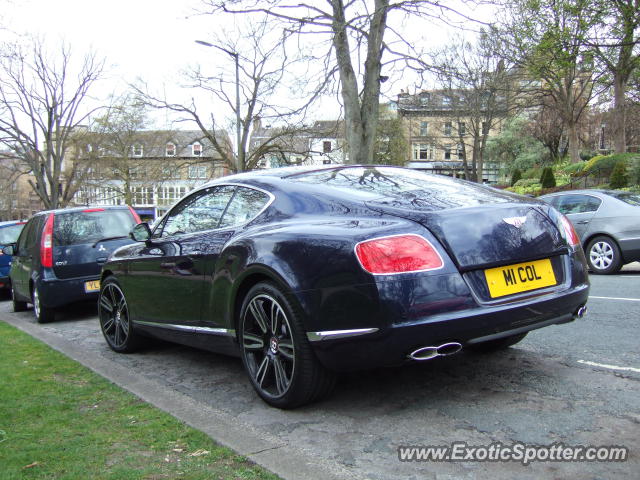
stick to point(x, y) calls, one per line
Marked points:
point(9, 233)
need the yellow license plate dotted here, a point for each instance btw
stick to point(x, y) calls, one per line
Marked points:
point(519, 277)
point(92, 286)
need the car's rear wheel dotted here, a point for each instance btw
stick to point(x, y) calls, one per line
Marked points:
point(42, 313)
point(276, 354)
point(114, 318)
point(18, 306)
point(498, 344)
point(603, 255)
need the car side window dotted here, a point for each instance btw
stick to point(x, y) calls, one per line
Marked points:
point(22, 239)
point(244, 206)
point(198, 212)
point(578, 204)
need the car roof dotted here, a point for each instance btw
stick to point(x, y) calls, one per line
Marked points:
point(8, 223)
point(83, 208)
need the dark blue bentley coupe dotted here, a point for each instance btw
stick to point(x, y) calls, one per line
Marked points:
point(306, 272)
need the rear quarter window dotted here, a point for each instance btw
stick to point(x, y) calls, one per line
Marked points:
point(75, 228)
point(10, 234)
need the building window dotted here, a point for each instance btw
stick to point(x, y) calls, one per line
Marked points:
point(137, 173)
point(142, 196)
point(462, 129)
point(198, 171)
point(196, 150)
point(170, 195)
point(422, 151)
point(447, 152)
point(446, 101)
point(447, 128)
point(425, 98)
point(326, 146)
point(326, 162)
point(460, 152)
point(170, 171)
point(170, 150)
point(137, 150)
point(485, 128)
point(89, 148)
point(424, 129)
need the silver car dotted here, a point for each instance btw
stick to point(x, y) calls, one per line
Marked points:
point(607, 222)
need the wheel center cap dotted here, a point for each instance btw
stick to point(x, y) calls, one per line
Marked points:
point(118, 317)
point(273, 345)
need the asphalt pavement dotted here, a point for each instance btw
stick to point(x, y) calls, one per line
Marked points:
point(577, 384)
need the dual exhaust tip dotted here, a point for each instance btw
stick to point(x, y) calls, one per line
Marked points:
point(428, 353)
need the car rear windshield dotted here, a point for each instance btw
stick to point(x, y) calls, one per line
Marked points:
point(627, 197)
point(74, 228)
point(403, 188)
point(10, 234)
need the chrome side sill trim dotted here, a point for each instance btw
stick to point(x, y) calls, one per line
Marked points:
point(333, 334)
point(186, 328)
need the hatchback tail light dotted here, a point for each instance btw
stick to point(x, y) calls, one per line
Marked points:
point(46, 244)
point(570, 232)
point(398, 254)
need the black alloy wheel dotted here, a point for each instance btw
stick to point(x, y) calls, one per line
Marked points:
point(114, 318)
point(275, 352)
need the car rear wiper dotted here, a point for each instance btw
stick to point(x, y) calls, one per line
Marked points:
point(109, 238)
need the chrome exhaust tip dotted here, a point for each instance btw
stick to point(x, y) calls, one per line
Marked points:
point(581, 312)
point(427, 353)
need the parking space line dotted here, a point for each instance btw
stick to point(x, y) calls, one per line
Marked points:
point(616, 298)
point(610, 367)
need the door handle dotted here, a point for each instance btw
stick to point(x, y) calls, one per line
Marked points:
point(582, 222)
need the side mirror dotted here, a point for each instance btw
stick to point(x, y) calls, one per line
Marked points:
point(10, 249)
point(141, 232)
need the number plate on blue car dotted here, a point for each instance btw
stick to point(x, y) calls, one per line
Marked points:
point(92, 286)
point(520, 277)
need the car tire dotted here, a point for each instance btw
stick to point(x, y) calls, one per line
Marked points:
point(275, 351)
point(603, 255)
point(18, 306)
point(113, 313)
point(42, 313)
point(498, 344)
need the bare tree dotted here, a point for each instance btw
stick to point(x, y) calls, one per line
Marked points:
point(476, 84)
point(355, 31)
point(41, 96)
point(263, 61)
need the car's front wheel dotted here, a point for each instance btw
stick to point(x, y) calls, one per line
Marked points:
point(42, 313)
point(115, 323)
point(276, 354)
point(603, 255)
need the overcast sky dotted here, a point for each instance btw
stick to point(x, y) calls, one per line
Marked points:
point(150, 39)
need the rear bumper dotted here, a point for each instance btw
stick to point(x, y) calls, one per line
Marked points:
point(390, 346)
point(55, 292)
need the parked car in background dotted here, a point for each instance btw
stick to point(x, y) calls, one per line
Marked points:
point(303, 272)
point(607, 222)
point(9, 232)
point(57, 258)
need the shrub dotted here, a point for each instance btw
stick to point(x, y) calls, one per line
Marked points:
point(532, 173)
point(547, 179)
point(517, 175)
point(618, 177)
point(574, 169)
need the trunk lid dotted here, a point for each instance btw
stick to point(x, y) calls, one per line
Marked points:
point(489, 234)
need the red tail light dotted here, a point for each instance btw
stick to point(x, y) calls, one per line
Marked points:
point(569, 231)
point(46, 245)
point(136, 217)
point(90, 210)
point(398, 254)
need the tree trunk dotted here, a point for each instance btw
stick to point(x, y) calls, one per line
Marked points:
point(574, 143)
point(619, 115)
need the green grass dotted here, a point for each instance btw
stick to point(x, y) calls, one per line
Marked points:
point(58, 420)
